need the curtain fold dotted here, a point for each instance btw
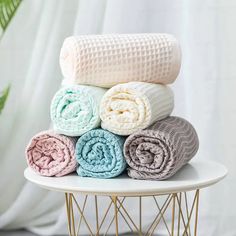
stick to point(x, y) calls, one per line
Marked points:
point(29, 62)
point(204, 93)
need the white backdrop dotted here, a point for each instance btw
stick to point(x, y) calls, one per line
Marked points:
point(204, 91)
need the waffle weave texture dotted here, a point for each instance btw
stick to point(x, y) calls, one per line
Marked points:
point(100, 154)
point(107, 60)
point(127, 108)
point(75, 109)
point(51, 154)
point(161, 150)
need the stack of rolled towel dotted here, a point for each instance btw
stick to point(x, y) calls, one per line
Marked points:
point(113, 110)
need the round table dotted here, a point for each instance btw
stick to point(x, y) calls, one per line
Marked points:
point(181, 193)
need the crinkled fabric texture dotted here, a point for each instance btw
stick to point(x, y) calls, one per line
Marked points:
point(51, 154)
point(100, 154)
point(75, 109)
point(110, 59)
point(127, 108)
point(161, 150)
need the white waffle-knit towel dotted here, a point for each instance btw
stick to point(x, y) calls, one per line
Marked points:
point(127, 108)
point(107, 60)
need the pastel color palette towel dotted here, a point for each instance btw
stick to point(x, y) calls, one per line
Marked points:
point(127, 108)
point(110, 59)
point(161, 150)
point(51, 154)
point(100, 154)
point(75, 109)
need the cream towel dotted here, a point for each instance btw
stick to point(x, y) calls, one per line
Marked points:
point(127, 108)
point(107, 60)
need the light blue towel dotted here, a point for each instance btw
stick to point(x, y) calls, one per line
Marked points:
point(75, 109)
point(100, 154)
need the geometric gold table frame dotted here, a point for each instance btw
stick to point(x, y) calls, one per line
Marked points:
point(102, 206)
point(182, 213)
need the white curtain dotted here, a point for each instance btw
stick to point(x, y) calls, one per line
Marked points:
point(204, 92)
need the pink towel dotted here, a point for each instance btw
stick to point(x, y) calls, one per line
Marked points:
point(51, 154)
point(110, 59)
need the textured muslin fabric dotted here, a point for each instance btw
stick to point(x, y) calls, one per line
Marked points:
point(51, 154)
point(204, 94)
point(110, 59)
point(100, 154)
point(127, 108)
point(161, 150)
point(75, 109)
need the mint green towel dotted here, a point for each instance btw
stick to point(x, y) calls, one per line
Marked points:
point(75, 109)
point(100, 154)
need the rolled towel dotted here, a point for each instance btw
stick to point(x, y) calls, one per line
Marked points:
point(161, 150)
point(127, 108)
point(51, 154)
point(100, 154)
point(107, 60)
point(75, 109)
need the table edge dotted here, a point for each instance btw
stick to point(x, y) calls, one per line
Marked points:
point(132, 193)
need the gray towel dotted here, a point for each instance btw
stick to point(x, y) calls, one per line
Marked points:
point(160, 150)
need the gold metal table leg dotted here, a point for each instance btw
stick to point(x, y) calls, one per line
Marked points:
point(140, 215)
point(96, 207)
point(196, 214)
point(173, 216)
point(68, 213)
point(114, 198)
point(181, 214)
